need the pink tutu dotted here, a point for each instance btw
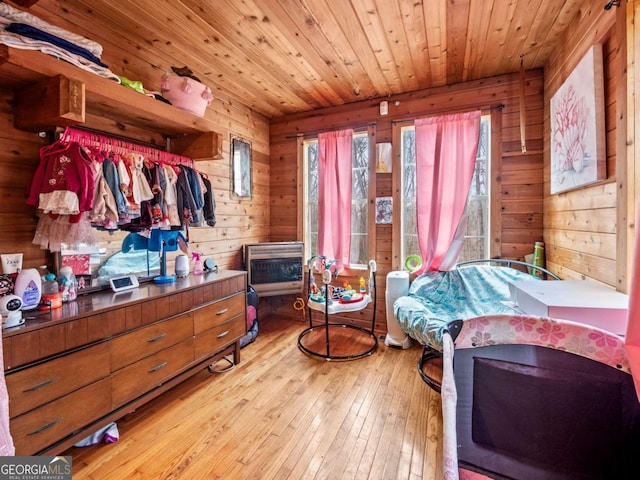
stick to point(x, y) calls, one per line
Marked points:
point(72, 230)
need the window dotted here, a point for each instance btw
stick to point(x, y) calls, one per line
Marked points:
point(360, 223)
point(476, 240)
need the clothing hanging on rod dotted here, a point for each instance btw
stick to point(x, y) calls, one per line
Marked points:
point(121, 147)
point(89, 180)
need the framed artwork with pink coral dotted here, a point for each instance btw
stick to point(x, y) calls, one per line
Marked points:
point(578, 153)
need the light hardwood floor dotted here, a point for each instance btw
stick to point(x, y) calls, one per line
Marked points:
point(281, 414)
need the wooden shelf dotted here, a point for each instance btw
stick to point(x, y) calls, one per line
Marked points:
point(51, 93)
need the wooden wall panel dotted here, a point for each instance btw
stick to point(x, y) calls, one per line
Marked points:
point(18, 160)
point(580, 225)
point(519, 197)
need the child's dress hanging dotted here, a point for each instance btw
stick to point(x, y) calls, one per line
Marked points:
point(63, 188)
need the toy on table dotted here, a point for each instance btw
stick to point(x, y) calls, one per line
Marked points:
point(323, 265)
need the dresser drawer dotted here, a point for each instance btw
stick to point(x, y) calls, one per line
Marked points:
point(50, 423)
point(219, 312)
point(150, 372)
point(220, 336)
point(133, 346)
point(42, 383)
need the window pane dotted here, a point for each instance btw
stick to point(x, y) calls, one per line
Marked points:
point(476, 239)
point(360, 151)
point(359, 183)
point(358, 249)
point(408, 212)
point(359, 200)
point(476, 216)
point(477, 231)
point(359, 197)
point(470, 249)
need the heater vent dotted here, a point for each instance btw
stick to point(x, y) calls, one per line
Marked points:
point(275, 268)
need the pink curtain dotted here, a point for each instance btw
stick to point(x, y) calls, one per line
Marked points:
point(334, 196)
point(632, 337)
point(446, 149)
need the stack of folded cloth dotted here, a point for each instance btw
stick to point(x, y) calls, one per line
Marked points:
point(20, 29)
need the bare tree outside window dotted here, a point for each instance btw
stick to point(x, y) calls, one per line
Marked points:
point(359, 196)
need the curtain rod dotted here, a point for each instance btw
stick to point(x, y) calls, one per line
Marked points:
point(122, 145)
point(114, 136)
point(315, 133)
point(499, 107)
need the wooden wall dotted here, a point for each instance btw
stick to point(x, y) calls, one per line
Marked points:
point(580, 226)
point(18, 160)
point(517, 178)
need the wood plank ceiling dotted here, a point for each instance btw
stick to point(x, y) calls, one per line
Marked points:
point(283, 56)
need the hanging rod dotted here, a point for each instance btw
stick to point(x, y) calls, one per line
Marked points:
point(498, 107)
point(315, 133)
point(122, 146)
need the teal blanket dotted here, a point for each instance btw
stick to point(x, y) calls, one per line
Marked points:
point(437, 298)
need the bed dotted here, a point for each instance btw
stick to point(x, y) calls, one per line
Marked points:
point(523, 397)
point(440, 301)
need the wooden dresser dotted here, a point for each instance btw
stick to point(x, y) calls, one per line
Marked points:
point(73, 370)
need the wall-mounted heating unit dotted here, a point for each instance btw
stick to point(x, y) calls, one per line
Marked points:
point(275, 268)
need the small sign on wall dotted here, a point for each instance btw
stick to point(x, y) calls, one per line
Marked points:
point(383, 158)
point(384, 209)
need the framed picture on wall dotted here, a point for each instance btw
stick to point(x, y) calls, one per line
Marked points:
point(384, 209)
point(578, 153)
point(240, 167)
point(383, 158)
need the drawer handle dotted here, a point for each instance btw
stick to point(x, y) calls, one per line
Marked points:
point(156, 338)
point(224, 310)
point(45, 426)
point(40, 385)
point(223, 334)
point(158, 367)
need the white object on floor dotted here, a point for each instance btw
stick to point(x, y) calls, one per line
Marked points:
point(397, 286)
